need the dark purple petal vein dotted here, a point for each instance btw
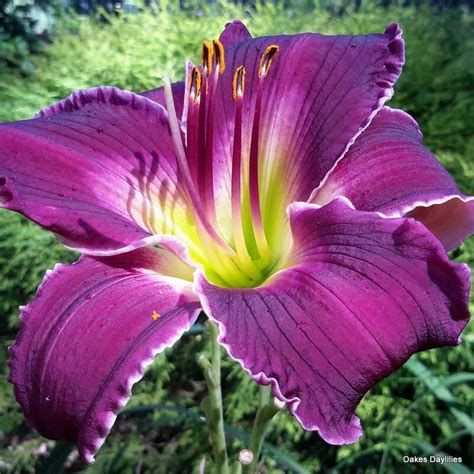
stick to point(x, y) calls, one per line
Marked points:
point(389, 170)
point(319, 95)
point(88, 336)
point(361, 295)
point(98, 169)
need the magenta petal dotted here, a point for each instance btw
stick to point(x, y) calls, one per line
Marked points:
point(450, 218)
point(234, 32)
point(158, 96)
point(88, 336)
point(319, 94)
point(361, 295)
point(98, 169)
point(388, 170)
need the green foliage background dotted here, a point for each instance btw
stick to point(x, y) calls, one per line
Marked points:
point(426, 407)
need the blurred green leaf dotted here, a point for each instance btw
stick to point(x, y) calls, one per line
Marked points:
point(244, 436)
point(439, 388)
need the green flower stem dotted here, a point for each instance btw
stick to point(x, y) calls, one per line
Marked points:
point(212, 405)
point(265, 412)
point(236, 468)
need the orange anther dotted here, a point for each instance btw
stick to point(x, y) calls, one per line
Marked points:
point(219, 55)
point(195, 84)
point(267, 59)
point(207, 53)
point(238, 84)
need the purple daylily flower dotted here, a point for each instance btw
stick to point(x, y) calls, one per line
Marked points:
point(272, 189)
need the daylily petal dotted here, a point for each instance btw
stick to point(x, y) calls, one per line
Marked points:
point(158, 96)
point(319, 94)
point(234, 32)
point(98, 169)
point(388, 170)
point(362, 293)
point(88, 336)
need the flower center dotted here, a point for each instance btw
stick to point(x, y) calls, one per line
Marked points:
point(235, 251)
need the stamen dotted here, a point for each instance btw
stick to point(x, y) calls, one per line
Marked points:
point(236, 184)
point(207, 53)
point(205, 126)
point(202, 122)
point(205, 137)
point(192, 121)
point(267, 59)
point(155, 315)
point(219, 55)
point(183, 164)
point(207, 174)
point(255, 209)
